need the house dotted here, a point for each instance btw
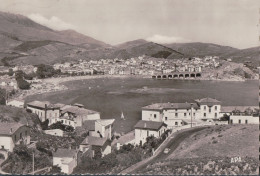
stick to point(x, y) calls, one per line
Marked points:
point(44, 109)
point(16, 103)
point(94, 145)
point(128, 138)
point(54, 132)
point(144, 129)
point(209, 108)
point(66, 159)
point(78, 114)
point(12, 134)
point(229, 110)
point(244, 119)
point(104, 128)
point(172, 114)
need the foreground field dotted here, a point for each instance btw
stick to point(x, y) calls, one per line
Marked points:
point(213, 151)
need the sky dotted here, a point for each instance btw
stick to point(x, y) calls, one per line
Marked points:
point(225, 22)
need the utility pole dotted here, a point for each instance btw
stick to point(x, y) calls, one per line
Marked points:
point(33, 163)
point(191, 115)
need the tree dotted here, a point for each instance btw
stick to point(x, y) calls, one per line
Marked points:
point(10, 72)
point(54, 170)
point(2, 96)
point(22, 84)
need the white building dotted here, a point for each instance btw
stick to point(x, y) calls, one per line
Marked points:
point(66, 159)
point(12, 134)
point(44, 109)
point(243, 119)
point(104, 128)
point(176, 114)
point(54, 132)
point(144, 129)
point(16, 103)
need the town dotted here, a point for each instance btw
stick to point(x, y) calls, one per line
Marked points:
point(96, 136)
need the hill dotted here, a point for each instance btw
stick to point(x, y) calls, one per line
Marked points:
point(209, 151)
point(131, 44)
point(13, 114)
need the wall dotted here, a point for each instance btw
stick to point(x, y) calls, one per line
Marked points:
point(212, 113)
point(141, 134)
point(149, 115)
point(39, 112)
point(7, 142)
point(250, 119)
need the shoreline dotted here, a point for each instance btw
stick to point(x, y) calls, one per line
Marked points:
point(59, 83)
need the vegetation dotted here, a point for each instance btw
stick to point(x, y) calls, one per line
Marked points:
point(22, 84)
point(2, 96)
point(46, 71)
point(203, 166)
point(20, 161)
point(59, 125)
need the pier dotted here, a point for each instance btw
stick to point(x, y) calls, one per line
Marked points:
point(178, 75)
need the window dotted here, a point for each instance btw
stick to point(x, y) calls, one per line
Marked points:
point(194, 114)
point(147, 133)
point(216, 115)
point(151, 115)
point(3, 147)
point(176, 123)
point(185, 114)
point(205, 114)
point(176, 114)
point(216, 108)
point(209, 110)
point(61, 121)
point(239, 121)
point(246, 122)
point(231, 121)
point(15, 138)
point(166, 118)
point(204, 107)
point(20, 135)
point(154, 116)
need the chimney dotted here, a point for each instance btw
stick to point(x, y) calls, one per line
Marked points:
point(11, 130)
point(145, 125)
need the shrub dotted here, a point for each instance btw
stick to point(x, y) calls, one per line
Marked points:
point(2, 156)
point(214, 142)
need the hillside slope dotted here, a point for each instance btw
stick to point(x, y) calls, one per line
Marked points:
point(211, 150)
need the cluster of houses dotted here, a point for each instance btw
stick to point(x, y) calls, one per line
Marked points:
point(156, 119)
point(142, 65)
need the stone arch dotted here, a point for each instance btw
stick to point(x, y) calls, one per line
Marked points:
point(175, 76)
point(170, 76)
point(154, 77)
point(180, 75)
point(159, 77)
point(187, 75)
point(192, 75)
point(164, 76)
point(198, 75)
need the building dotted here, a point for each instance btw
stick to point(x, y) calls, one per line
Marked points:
point(104, 128)
point(177, 114)
point(94, 145)
point(16, 103)
point(128, 138)
point(66, 159)
point(244, 119)
point(54, 132)
point(44, 109)
point(12, 134)
point(78, 114)
point(144, 129)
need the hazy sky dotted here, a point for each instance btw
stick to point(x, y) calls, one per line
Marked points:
point(225, 22)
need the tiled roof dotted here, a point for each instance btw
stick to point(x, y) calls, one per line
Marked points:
point(127, 137)
point(77, 111)
point(9, 128)
point(105, 122)
point(162, 106)
point(208, 101)
point(91, 140)
point(150, 125)
point(41, 104)
point(62, 153)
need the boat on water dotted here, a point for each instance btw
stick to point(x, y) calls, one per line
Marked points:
point(122, 116)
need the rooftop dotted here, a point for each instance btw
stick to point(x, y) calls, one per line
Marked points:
point(162, 106)
point(77, 111)
point(91, 140)
point(208, 101)
point(62, 153)
point(105, 122)
point(42, 104)
point(9, 128)
point(239, 108)
point(89, 125)
point(150, 125)
point(127, 137)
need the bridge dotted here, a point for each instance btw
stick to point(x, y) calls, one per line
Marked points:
point(178, 75)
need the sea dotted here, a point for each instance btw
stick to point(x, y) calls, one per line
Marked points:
point(114, 96)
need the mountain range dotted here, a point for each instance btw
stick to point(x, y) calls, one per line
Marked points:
point(24, 41)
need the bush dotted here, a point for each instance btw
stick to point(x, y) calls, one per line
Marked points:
point(22, 84)
point(2, 156)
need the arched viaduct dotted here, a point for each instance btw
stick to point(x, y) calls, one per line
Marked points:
point(178, 75)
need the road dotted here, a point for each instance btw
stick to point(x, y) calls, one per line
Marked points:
point(172, 142)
